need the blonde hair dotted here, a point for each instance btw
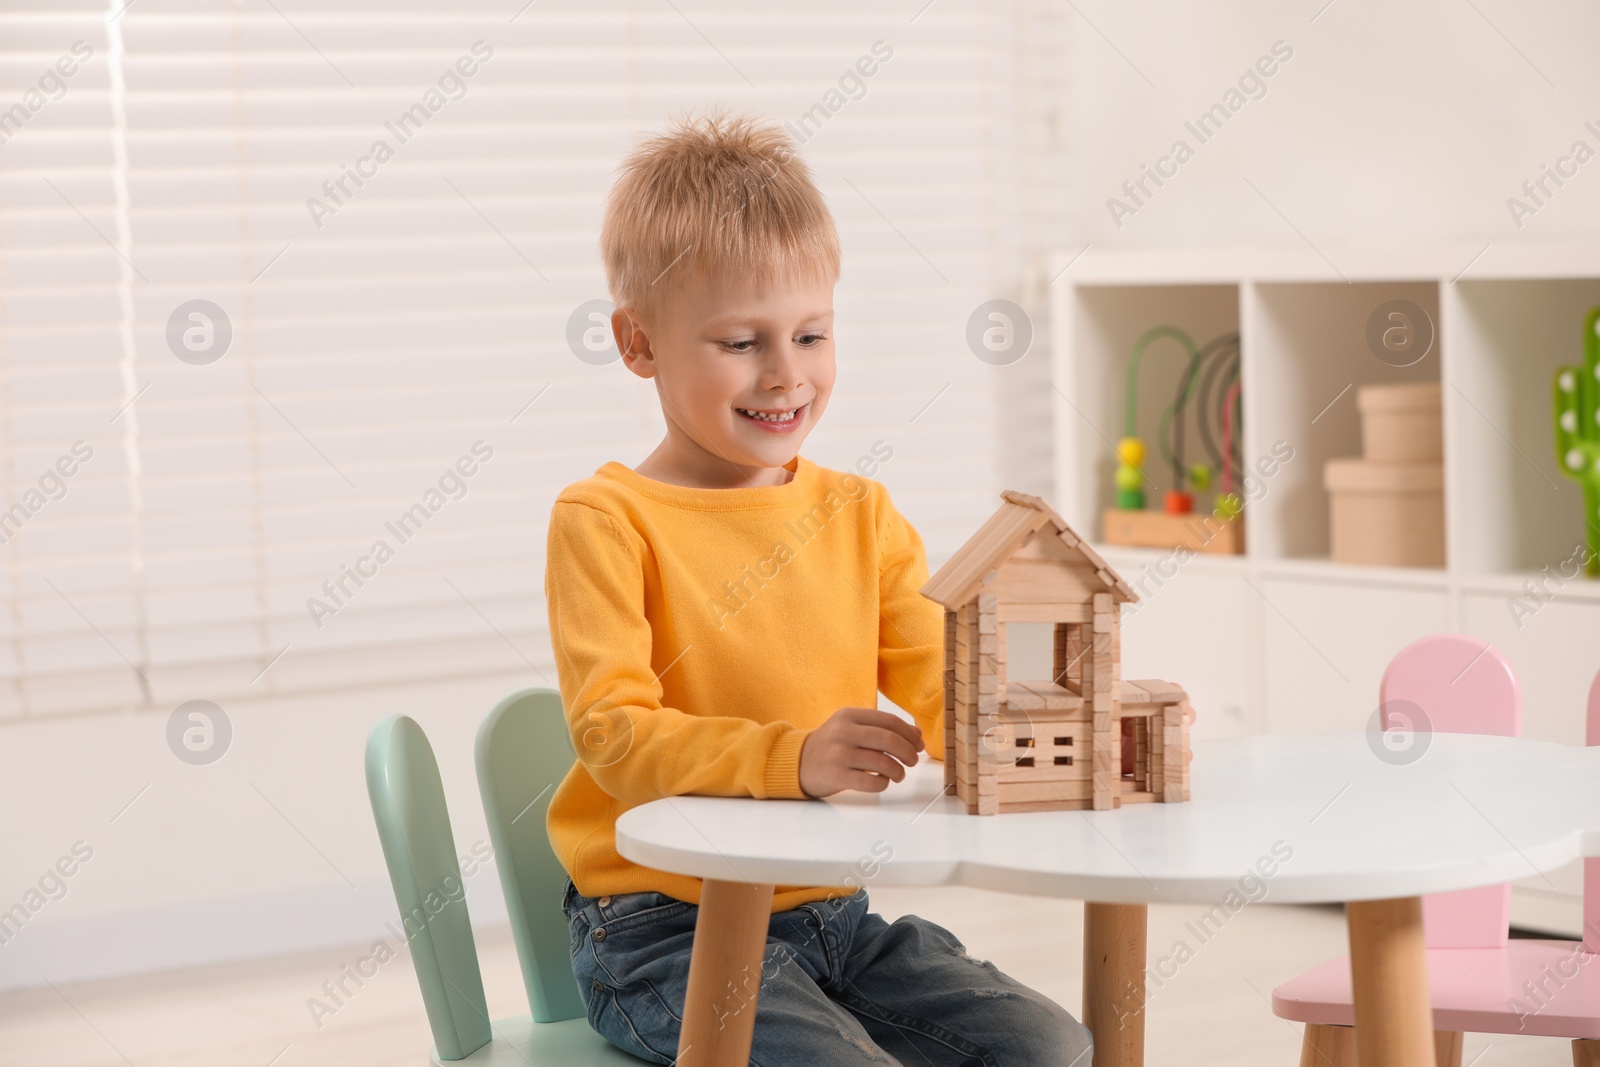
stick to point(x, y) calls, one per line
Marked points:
point(716, 195)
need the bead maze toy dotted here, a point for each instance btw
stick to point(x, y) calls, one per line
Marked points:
point(1577, 415)
point(1055, 744)
point(1209, 386)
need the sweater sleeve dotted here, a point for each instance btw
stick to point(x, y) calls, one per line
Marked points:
point(910, 629)
point(636, 749)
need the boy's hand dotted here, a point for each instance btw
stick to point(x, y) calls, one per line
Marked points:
point(858, 748)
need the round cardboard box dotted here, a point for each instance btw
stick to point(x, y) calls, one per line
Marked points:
point(1387, 514)
point(1401, 423)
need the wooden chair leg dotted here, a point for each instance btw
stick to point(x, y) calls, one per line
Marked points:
point(1335, 1046)
point(1585, 1053)
point(1328, 1046)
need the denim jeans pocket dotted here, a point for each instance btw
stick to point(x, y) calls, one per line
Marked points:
point(634, 909)
point(638, 937)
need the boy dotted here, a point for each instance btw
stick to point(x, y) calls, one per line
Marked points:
point(724, 616)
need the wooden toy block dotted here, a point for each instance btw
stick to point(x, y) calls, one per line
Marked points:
point(1070, 666)
point(1051, 611)
point(1160, 692)
point(951, 653)
point(1046, 805)
point(1024, 792)
point(1052, 744)
point(1185, 714)
point(1132, 794)
point(996, 663)
point(1044, 769)
point(1041, 696)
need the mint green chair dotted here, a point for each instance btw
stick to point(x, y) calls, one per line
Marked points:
point(414, 827)
point(523, 753)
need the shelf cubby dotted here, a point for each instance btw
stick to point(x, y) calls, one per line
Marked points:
point(1515, 512)
point(1306, 356)
point(1283, 638)
point(1107, 322)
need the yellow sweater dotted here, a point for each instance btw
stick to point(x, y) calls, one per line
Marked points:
point(701, 634)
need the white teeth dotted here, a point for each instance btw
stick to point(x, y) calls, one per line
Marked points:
point(781, 417)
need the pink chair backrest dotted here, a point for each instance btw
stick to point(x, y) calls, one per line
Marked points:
point(1591, 868)
point(1462, 685)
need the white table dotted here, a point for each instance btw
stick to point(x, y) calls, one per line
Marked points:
point(1470, 811)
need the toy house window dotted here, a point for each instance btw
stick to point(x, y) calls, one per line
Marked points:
point(1028, 649)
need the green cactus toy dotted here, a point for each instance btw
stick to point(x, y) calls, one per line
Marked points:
point(1577, 413)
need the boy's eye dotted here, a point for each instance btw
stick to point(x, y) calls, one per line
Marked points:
point(805, 340)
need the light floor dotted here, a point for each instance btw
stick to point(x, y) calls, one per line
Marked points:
point(1213, 1010)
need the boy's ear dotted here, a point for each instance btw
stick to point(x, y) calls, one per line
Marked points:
point(633, 342)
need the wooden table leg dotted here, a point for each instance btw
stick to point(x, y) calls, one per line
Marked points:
point(1113, 982)
point(730, 940)
point(1389, 972)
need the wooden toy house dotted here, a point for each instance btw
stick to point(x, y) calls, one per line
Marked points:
point(1054, 743)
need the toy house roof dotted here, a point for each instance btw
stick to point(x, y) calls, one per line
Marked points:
point(958, 581)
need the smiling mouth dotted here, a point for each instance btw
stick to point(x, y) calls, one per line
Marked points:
point(776, 419)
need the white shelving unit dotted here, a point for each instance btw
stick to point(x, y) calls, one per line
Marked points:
point(1281, 639)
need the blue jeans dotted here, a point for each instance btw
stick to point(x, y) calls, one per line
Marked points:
point(839, 986)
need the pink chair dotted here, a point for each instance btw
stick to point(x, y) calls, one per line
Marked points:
point(1480, 980)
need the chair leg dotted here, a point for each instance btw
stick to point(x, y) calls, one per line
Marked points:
point(1328, 1046)
point(1335, 1046)
point(1585, 1053)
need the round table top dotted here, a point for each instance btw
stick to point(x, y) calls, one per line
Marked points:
point(1288, 818)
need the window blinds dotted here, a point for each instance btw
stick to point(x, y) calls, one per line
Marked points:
point(285, 386)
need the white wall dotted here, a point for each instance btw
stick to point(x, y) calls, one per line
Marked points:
point(1393, 121)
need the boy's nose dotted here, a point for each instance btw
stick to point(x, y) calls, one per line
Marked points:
point(782, 371)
